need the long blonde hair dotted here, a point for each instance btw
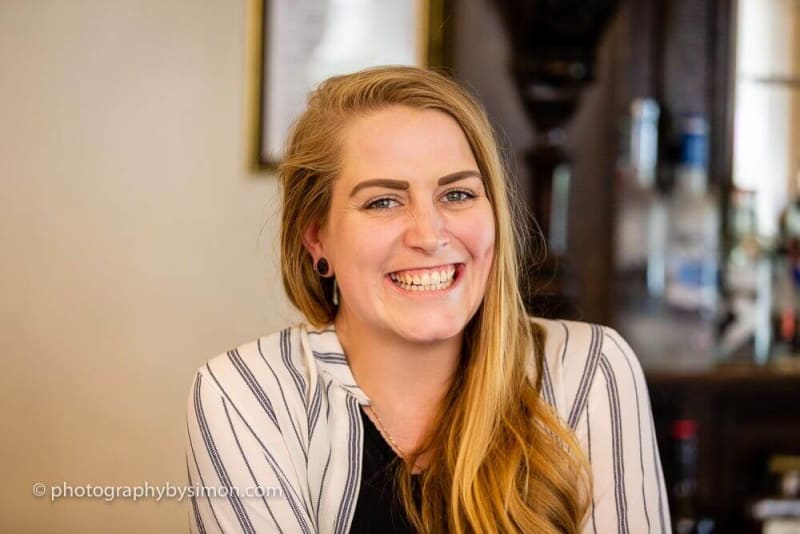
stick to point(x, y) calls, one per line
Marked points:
point(504, 461)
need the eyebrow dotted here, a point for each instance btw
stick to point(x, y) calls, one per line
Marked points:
point(454, 177)
point(404, 185)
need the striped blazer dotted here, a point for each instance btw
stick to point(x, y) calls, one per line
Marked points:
point(278, 421)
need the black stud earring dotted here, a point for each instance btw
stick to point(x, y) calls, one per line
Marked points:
point(322, 267)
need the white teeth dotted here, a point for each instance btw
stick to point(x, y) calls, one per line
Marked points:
point(427, 281)
point(428, 287)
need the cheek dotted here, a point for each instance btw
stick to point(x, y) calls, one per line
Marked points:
point(478, 235)
point(345, 237)
point(360, 249)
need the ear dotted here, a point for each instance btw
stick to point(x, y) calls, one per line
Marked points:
point(312, 240)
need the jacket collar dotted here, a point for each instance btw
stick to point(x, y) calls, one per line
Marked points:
point(324, 346)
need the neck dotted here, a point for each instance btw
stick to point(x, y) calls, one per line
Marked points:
point(402, 378)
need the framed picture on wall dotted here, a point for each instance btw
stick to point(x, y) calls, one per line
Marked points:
point(307, 41)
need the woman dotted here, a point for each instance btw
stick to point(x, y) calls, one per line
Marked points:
point(420, 396)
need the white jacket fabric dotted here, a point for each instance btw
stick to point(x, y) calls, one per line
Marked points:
point(278, 421)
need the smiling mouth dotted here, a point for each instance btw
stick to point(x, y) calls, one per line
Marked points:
point(420, 280)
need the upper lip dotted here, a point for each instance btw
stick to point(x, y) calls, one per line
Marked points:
point(439, 266)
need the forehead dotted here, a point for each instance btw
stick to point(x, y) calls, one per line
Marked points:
point(404, 143)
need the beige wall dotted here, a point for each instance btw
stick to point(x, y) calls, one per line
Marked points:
point(132, 243)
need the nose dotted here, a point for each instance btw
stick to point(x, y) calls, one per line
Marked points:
point(426, 230)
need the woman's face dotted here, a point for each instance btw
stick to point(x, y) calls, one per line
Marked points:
point(410, 233)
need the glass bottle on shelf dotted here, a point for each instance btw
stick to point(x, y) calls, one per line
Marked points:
point(691, 288)
point(639, 198)
point(786, 288)
point(686, 517)
point(745, 331)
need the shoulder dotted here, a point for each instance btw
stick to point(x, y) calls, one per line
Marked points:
point(273, 366)
point(577, 355)
point(601, 394)
point(574, 345)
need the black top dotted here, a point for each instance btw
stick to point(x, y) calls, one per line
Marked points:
point(379, 508)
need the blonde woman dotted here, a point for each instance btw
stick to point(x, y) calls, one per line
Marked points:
point(419, 396)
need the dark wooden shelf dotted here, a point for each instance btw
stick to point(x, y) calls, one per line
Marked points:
point(726, 376)
point(745, 415)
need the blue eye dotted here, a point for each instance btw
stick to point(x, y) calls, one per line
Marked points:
point(458, 195)
point(381, 204)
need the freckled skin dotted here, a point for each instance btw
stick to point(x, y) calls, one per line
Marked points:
point(381, 230)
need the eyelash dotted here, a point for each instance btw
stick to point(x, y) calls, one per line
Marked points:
point(466, 194)
point(371, 205)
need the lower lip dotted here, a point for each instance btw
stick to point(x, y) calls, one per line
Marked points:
point(433, 292)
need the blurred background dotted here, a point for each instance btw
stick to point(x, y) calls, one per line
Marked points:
point(656, 142)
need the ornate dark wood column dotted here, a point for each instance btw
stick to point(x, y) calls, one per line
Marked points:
point(554, 46)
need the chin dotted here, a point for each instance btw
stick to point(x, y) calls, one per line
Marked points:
point(430, 331)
